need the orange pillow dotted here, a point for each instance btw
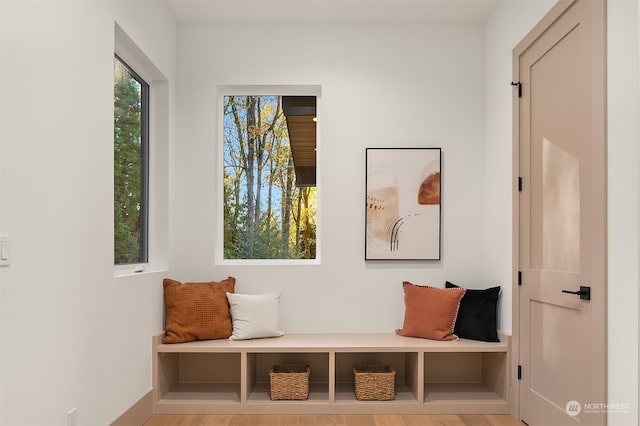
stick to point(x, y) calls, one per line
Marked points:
point(430, 312)
point(197, 311)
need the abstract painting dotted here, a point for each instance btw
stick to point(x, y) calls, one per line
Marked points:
point(403, 204)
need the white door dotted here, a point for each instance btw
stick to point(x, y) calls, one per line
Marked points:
point(562, 217)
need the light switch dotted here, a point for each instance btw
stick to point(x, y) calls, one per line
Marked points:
point(4, 250)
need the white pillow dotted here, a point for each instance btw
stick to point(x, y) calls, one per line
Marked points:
point(254, 315)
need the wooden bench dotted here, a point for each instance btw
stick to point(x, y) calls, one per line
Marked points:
point(232, 377)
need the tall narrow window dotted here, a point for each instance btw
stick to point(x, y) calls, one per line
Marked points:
point(269, 177)
point(131, 171)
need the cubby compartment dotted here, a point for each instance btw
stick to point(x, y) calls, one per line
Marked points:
point(199, 377)
point(466, 379)
point(405, 365)
point(259, 364)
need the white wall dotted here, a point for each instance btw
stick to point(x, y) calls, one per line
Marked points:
point(623, 135)
point(506, 27)
point(1, 209)
point(72, 334)
point(382, 86)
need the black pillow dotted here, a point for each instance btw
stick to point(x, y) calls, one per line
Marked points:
point(477, 314)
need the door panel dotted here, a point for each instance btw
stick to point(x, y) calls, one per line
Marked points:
point(556, 349)
point(561, 218)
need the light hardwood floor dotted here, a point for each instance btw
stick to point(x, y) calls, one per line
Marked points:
point(333, 420)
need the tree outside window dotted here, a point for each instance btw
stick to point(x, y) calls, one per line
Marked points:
point(130, 165)
point(266, 214)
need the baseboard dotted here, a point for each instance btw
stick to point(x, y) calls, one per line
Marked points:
point(139, 412)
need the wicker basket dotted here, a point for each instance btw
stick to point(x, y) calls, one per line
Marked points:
point(289, 382)
point(374, 383)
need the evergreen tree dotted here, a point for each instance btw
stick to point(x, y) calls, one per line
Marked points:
point(127, 166)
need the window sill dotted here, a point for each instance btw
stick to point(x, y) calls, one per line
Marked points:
point(131, 270)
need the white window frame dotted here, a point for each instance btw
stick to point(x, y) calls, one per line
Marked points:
point(158, 164)
point(264, 90)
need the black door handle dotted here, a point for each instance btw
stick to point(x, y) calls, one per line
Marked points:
point(584, 292)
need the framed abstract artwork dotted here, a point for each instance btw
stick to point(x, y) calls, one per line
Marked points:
point(403, 204)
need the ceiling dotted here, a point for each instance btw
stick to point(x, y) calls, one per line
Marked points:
point(347, 11)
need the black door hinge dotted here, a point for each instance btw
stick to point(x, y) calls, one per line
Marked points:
point(519, 277)
point(520, 184)
point(519, 372)
point(519, 87)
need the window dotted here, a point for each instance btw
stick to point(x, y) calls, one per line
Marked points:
point(131, 170)
point(269, 194)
